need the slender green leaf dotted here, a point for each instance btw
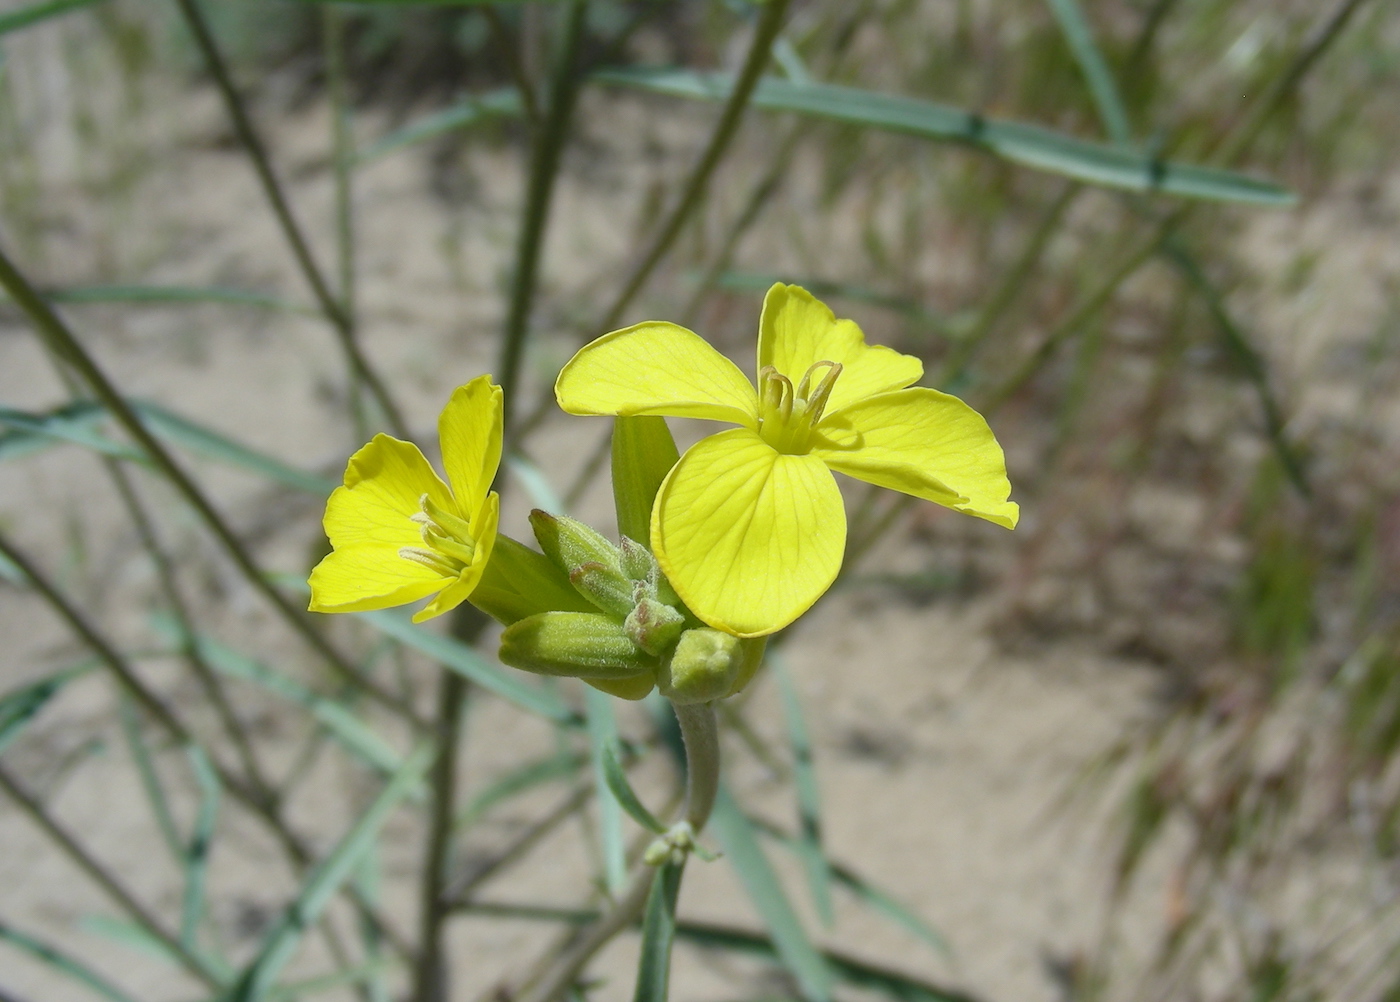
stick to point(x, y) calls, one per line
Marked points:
point(658, 933)
point(75, 424)
point(602, 738)
point(19, 706)
point(465, 661)
point(794, 948)
point(367, 884)
point(643, 452)
point(343, 725)
point(150, 781)
point(326, 879)
point(23, 17)
point(1092, 64)
point(616, 781)
point(503, 103)
point(847, 969)
point(65, 965)
point(197, 853)
point(1025, 144)
point(554, 766)
point(808, 793)
point(174, 294)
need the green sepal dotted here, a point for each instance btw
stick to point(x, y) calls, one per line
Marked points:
point(751, 649)
point(581, 644)
point(643, 452)
point(520, 582)
point(605, 588)
point(636, 560)
point(593, 564)
point(704, 666)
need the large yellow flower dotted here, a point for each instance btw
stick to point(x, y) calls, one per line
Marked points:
point(399, 533)
point(749, 525)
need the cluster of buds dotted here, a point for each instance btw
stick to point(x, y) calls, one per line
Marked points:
point(638, 634)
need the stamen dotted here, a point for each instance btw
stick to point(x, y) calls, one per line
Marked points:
point(433, 561)
point(816, 403)
point(458, 549)
point(452, 525)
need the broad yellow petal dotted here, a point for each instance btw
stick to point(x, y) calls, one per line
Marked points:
point(484, 524)
point(924, 443)
point(469, 430)
point(748, 537)
point(383, 482)
point(797, 330)
point(656, 368)
point(367, 576)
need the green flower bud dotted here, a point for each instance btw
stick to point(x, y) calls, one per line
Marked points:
point(652, 625)
point(582, 644)
point(604, 587)
point(704, 666)
point(637, 561)
point(592, 563)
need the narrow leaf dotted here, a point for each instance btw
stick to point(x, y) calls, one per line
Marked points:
point(19, 706)
point(794, 948)
point(197, 854)
point(1092, 64)
point(75, 424)
point(503, 103)
point(643, 452)
point(282, 941)
point(808, 794)
point(65, 965)
point(1018, 142)
point(23, 17)
point(658, 933)
point(602, 737)
point(150, 781)
point(616, 781)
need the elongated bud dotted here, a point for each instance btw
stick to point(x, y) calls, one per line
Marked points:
point(581, 644)
point(637, 561)
point(593, 564)
point(703, 667)
point(653, 626)
point(604, 587)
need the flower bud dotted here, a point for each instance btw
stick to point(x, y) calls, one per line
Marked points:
point(652, 625)
point(581, 644)
point(703, 667)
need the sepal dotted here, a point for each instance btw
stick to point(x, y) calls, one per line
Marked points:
point(582, 644)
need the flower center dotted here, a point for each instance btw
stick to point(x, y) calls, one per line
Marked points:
point(786, 416)
point(448, 544)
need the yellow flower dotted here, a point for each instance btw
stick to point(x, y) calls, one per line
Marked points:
point(749, 525)
point(399, 533)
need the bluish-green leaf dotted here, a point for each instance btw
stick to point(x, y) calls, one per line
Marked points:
point(326, 879)
point(57, 960)
point(1102, 87)
point(23, 17)
point(197, 852)
point(755, 873)
point(75, 424)
point(19, 706)
point(502, 103)
point(658, 934)
point(602, 737)
point(616, 781)
point(1018, 142)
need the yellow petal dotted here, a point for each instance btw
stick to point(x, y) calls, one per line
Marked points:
point(748, 537)
point(383, 482)
point(484, 524)
point(798, 330)
point(469, 430)
point(656, 368)
point(924, 443)
point(369, 576)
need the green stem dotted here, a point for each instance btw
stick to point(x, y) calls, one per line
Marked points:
point(701, 735)
point(770, 23)
point(63, 343)
point(99, 874)
point(545, 157)
point(341, 321)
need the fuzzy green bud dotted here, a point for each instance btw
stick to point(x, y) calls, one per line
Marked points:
point(703, 667)
point(581, 644)
point(652, 625)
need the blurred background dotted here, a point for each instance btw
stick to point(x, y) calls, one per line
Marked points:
point(1144, 747)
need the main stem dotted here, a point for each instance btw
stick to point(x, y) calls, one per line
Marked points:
point(700, 731)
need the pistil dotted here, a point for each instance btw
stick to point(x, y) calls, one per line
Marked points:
point(786, 416)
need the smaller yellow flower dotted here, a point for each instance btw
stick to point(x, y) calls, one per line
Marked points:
point(398, 532)
point(749, 525)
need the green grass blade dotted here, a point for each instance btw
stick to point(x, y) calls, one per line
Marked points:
point(206, 442)
point(75, 424)
point(616, 781)
point(808, 794)
point(557, 765)
point(326, 879)
point(1021, 143)
point(794, 948)
point(19, 706)
point(602, 738)
point(1102, 87)
point(462, 659)
point(23, 17)
point(658, 933)
point(174, 294)
point(197, 854)
point(848, 970)
point(352, 733)
point(502, 103)
point(62, 963)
